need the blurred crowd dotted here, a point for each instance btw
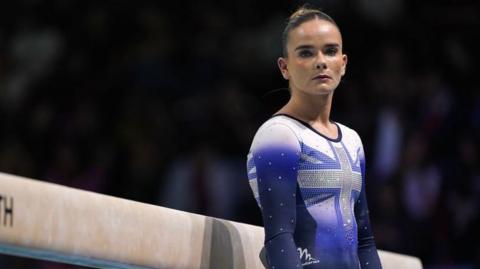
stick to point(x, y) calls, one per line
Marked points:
point(158, 102)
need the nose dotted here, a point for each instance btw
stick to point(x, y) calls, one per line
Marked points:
point(320, 62)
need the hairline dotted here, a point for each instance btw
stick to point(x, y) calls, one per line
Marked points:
point(285, 49)
point(294, 23)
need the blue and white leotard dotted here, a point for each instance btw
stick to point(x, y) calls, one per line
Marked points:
point(311, 190)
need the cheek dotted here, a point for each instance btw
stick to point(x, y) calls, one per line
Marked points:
point(337, 67)
point(299, 70)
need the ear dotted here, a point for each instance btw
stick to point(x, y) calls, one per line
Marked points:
point(344, 66)
point(282, 65)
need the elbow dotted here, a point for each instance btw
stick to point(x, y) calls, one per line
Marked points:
point(366, 243)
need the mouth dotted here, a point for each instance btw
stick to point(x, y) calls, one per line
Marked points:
point(322, 77)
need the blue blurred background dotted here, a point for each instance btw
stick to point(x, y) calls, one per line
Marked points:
point(158, 101)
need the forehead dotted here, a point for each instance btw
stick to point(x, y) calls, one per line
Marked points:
point(315, 32)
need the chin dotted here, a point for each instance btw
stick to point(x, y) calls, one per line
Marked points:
point(317, 90)
point(323, 91)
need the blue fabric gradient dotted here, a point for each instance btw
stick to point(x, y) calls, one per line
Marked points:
point(311, 191)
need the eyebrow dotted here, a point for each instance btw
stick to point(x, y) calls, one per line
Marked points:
point(329, 45)
point(304, 47)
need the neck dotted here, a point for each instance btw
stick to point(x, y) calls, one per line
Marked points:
point(312, 109)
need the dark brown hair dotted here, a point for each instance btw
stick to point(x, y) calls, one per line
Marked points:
point(300, 16)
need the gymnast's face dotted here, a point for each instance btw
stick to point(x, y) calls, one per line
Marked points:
point(314, 63)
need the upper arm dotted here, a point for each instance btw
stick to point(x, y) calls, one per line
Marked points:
point(361, 206)
point(367, 251)
point(275, 152)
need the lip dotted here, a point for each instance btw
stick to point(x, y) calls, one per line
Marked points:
point(322, 77)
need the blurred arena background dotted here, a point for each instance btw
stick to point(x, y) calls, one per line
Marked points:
point(157, 101)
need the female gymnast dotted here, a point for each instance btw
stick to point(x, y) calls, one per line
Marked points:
point(307, 172)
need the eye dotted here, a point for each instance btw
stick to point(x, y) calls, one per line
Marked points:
point(305, 53)
point(331, 51)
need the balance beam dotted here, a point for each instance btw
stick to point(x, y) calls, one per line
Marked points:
point(47, 221)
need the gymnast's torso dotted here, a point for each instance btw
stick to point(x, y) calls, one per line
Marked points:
point(310, 189)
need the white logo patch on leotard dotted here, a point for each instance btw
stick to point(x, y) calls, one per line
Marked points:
point(305, 257)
